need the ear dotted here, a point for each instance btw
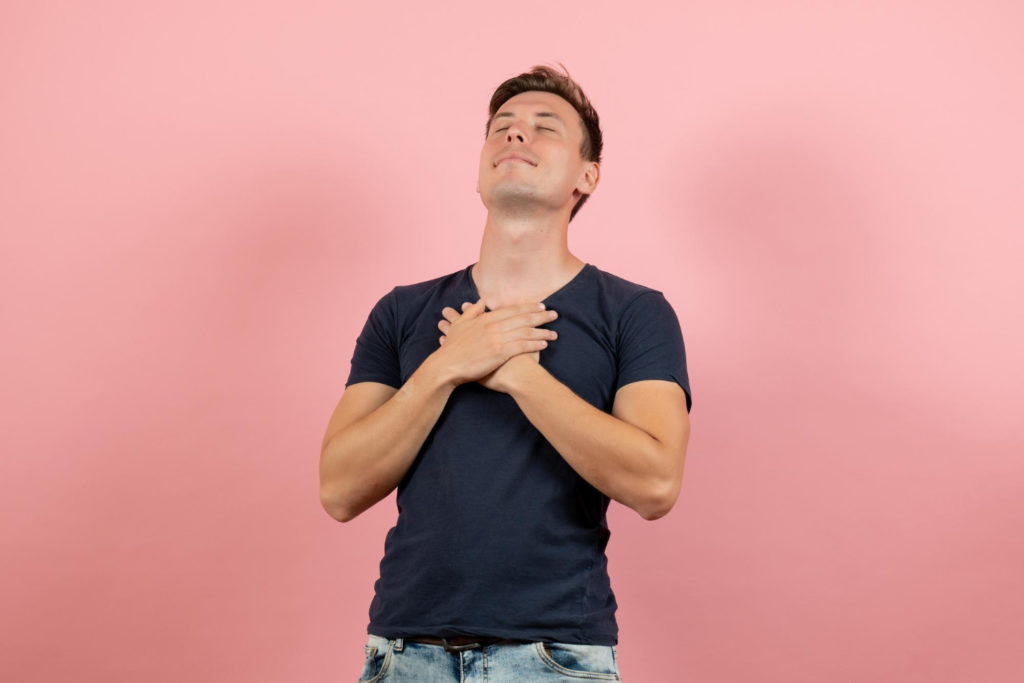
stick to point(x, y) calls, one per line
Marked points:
point(590, 177)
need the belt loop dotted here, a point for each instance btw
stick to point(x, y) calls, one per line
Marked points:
point(399, 644)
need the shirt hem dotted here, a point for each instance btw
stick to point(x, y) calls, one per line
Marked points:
point(451, 630)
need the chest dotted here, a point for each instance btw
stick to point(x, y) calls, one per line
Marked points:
point(583, 357)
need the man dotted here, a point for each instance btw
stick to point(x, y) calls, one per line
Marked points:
point(553, 387)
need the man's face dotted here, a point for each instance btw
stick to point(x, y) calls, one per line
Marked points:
point(531, 157)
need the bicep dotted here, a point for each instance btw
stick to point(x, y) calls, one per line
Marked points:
point(658, 407)
point(358, 401)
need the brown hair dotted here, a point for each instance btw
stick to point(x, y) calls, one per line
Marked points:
point(547, 79)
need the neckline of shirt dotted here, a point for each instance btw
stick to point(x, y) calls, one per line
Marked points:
point(576, 278)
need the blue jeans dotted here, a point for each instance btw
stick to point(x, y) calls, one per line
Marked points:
point(397, 659)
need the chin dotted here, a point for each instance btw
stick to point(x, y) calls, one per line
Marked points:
point(517, 200)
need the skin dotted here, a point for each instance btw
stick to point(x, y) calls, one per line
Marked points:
point(524, 253)
point(634, 455)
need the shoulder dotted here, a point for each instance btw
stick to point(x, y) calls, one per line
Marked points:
point(403, 302)
point(634, 312)
point(415, 295)
point(418, 288)
point(619, 294)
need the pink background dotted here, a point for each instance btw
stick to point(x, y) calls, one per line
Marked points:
point(201, 201)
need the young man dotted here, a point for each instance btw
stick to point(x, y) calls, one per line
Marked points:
point(553, 387)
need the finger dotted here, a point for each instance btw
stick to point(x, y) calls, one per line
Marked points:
point(450, 314)
point(527, 346)
point(528, 334)
point(440, 340)
point(465, 305)
point(443, 325)
point(475, 309)
point(541, 333)
point(516, 309)
point(530, 319)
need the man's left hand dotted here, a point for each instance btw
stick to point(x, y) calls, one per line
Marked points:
point(502, 378)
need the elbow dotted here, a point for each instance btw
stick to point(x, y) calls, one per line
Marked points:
point(336, 512)
point(333, 507)
point(333, 497)
point(663, 492)
point(659, 504)
point(344, 505)
point(345, 498)
point(654, 512)
point(651, 515)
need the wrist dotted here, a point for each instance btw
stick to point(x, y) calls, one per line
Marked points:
point(526, 373)
point(436, 375)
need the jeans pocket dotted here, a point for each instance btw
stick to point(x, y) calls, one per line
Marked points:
point(595, 662)
point(377, 652)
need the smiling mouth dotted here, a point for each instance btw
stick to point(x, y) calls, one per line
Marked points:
point(514, 159)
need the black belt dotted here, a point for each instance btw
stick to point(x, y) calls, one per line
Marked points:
point(459, 643)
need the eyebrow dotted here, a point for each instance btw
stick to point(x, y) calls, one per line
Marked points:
point(540, 114)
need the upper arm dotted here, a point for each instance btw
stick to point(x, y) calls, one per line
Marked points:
point(358, 401)
point(650, 347)
point(658, 407)
point(375, 373)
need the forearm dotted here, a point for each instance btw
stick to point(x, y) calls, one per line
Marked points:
point(364, 462)
point(617, 458)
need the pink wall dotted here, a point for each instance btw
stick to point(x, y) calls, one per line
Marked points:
point(200, 202)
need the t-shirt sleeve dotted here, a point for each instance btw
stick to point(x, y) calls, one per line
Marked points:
point(651, 344)
point(376, 355)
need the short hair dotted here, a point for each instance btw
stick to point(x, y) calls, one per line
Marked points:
point(547, 79)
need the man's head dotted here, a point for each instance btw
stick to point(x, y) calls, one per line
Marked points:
point(539, 113)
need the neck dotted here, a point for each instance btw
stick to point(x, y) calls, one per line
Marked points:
point(523, 259)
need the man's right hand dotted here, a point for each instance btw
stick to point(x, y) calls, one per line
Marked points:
point(478, 342)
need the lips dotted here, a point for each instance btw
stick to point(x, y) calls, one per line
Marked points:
point(514, 157)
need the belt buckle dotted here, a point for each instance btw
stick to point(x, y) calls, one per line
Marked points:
point(458, 648)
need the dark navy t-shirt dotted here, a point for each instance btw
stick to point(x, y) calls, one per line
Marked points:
point(496, 534)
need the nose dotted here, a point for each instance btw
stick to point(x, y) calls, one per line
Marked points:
point(514, 133)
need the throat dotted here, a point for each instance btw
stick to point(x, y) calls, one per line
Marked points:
point(513, 295)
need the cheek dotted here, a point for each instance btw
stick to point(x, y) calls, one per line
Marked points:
point(486, 154)
point(569, 169)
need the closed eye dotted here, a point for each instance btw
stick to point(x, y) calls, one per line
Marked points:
point(498, 130)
